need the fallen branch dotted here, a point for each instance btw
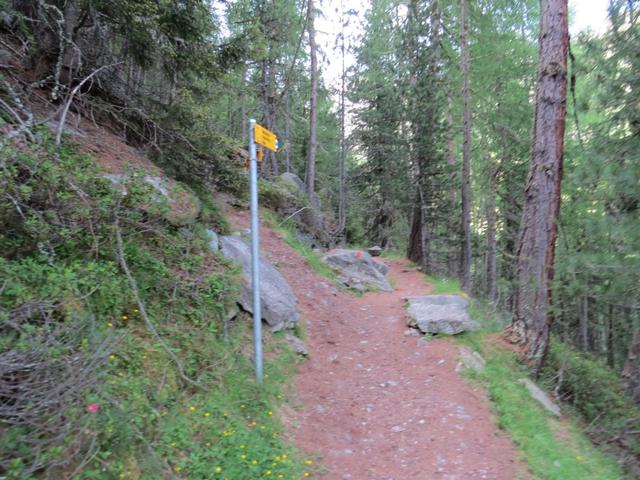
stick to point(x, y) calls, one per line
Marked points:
point(68, 102)
point(143, 311)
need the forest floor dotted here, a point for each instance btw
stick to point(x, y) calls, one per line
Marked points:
point(374, 404)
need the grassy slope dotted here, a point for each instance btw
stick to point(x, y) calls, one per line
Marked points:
point(138, 420)
point(552, 449)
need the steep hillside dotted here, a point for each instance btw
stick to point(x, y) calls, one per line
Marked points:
point(118, 357)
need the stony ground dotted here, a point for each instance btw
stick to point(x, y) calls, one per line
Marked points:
point(374, 403)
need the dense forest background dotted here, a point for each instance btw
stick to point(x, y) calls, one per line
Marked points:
point(423, 148)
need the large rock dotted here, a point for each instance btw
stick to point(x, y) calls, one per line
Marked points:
point(383, 268)
point(293, 181)
point(279, 304)
point(440, 314)
point(541, 397)
point(182, 206)
point(357, 270)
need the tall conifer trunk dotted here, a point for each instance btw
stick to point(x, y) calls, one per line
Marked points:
point(310, 175)
point(532, 318)
point(342, 214)
point(466, 151)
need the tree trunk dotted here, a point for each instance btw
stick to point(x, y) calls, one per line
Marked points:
point(287, 133)
point(243, 105)
point(611, 357)
point(492, 270)
point(453, 260)
point(532, 319)
point(583, 304)
point(466, 151)
point(414, 249)
point(310, 176)
point(631, 372)
point(342, 216)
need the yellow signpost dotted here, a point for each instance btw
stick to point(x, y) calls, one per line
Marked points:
point(266, 138)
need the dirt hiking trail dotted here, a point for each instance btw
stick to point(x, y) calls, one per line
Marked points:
point(376, 404)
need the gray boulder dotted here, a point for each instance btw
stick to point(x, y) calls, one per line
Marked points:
point(296, 344)
point(470, 360)
point(357, 269)
point(541, 397)
point(214, 241)
point(182, 206)
point(278, 302)
point(440, 314)
point(374, 251)
point(293, 181)
point(383, 268)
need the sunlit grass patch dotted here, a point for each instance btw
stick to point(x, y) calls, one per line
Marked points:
point(443, 285)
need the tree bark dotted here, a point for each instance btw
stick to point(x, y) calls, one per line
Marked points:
point(532, 320)
point(342, 215)
point(310, 175)
point(466, 151)
point(492, 270)
point(453, 261)
point(631, 372)
point(583, 304)
point(287, 133)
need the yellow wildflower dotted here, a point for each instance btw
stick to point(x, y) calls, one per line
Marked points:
point(308, 462)
point(192, 408)
point(218, 469)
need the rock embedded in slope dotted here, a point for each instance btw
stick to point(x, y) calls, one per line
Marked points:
point(357, 270)
point(297, 344)
point(374, 251)
point(470, 360)
point(213, 241)
point(445, 314)
point(172, 200)
point(278, 302)
point(383, 268)
point(541, 397)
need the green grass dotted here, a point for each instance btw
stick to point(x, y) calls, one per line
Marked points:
point(393, 255)
point(288, 232)
point(145, 422)
point(442, 285)
point(553, 450)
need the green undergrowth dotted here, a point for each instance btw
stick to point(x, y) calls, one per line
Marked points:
point(96, 394)
point(552, 449)
point(289, 234)
point(443, 285)
point(395, 255)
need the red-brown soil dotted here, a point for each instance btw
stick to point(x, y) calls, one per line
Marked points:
point(376, 404)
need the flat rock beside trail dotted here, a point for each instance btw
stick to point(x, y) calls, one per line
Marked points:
point(357, 270)
point(445, 314)
point(278, 302)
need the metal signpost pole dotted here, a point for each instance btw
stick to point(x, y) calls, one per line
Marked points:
point(255, 251)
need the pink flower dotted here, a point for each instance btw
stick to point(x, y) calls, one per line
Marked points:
point(93, 408)
point(358, 254)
